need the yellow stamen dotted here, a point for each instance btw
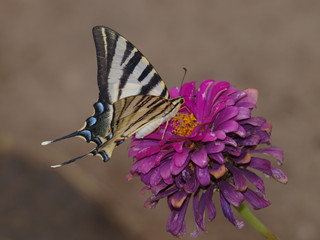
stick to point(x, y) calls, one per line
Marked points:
point(184, 124)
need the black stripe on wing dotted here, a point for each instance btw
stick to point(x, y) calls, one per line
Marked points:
point(128, 69)
point(105, 42)
point(145, 73)
point(154, 81)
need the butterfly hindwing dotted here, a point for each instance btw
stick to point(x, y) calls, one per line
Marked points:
point(140, 115)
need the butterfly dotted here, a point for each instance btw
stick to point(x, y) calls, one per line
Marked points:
point(133, 99)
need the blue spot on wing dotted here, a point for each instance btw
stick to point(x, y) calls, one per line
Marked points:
point(104, 156)
point(98, 107)
point(97, 141)
point(91, 121)
point(86, 134)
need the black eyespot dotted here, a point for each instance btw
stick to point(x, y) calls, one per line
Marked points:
point(181, 100)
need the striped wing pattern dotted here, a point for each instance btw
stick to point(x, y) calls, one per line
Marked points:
point(122, 69)
point(140, 114)
point(132, 96)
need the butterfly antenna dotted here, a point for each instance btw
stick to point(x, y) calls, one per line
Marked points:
point(62, 138)
point(184, 76)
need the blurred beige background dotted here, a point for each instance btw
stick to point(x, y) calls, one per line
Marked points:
point(48, 86)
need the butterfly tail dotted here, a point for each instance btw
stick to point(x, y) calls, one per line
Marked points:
point(93, 152)
point(83, 133)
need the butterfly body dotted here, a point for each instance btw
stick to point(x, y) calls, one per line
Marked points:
point(132, 97)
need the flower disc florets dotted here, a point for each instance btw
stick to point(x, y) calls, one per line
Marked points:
point(212, 145)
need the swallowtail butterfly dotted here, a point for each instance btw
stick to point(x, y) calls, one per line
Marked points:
point(132, 97)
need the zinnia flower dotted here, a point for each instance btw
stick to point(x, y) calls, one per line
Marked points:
point(212, 146)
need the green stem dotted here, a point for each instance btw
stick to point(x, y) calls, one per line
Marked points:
point(255, 222)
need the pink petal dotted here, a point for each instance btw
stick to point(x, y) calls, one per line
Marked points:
point(179, 158)
point(252, 96)
point(215, 147)
point(275, 152)
point(200, 157)
point(256, 201)
point(228, 126)
point(178, 146)
point(279, 175)
point(174, 92)
point(226, 114)
point(233, 196)
point(203, 176)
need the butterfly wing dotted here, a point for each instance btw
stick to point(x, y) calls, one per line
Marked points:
point(122, 69)
point(122, 72)
point(140, 114)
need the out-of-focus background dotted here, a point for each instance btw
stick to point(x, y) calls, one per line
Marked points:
point(48, 86)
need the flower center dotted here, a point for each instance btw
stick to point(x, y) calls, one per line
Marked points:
point(184, 123)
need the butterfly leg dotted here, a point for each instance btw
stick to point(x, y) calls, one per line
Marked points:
point(165, 129)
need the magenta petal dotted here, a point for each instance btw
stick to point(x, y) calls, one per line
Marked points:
point(191, 185)
point(151, 201)
point(174, 92)
point(147, 164)
point(175, 169)
point(188, 89)
point(209, 203)
point(241, 131)
point(136, 166)
point(159, 188)
point(233, 196)
point(226, 114)
point(261, 164)
point(217, 157)
point(203, 176)
point(254, 179)
point(176, 223)
point(275, 152)
point(216, 91)
point(254, 121)
point(209, 137)
point(138, 145)
point(255, 200)
point(179, 158)
point(200, 213)
point(230, 141)
point(178, 146)
point(236, 96)
point(202, 99)
point(177, 199)
point(165, 170)
point(169, 180)
point(147, 152)
point(279, 175)
point(228, 126)
point(155, 177)
point(200, 157)
point(239, 181)
point(244, 113)
point(252, 96)
point(195, 233)
point(221, 135)
point(214, 110)
point(252, 140)
point(227, 212)
point(215, 147)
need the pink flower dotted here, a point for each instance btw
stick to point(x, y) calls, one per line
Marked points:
point(211, 146)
